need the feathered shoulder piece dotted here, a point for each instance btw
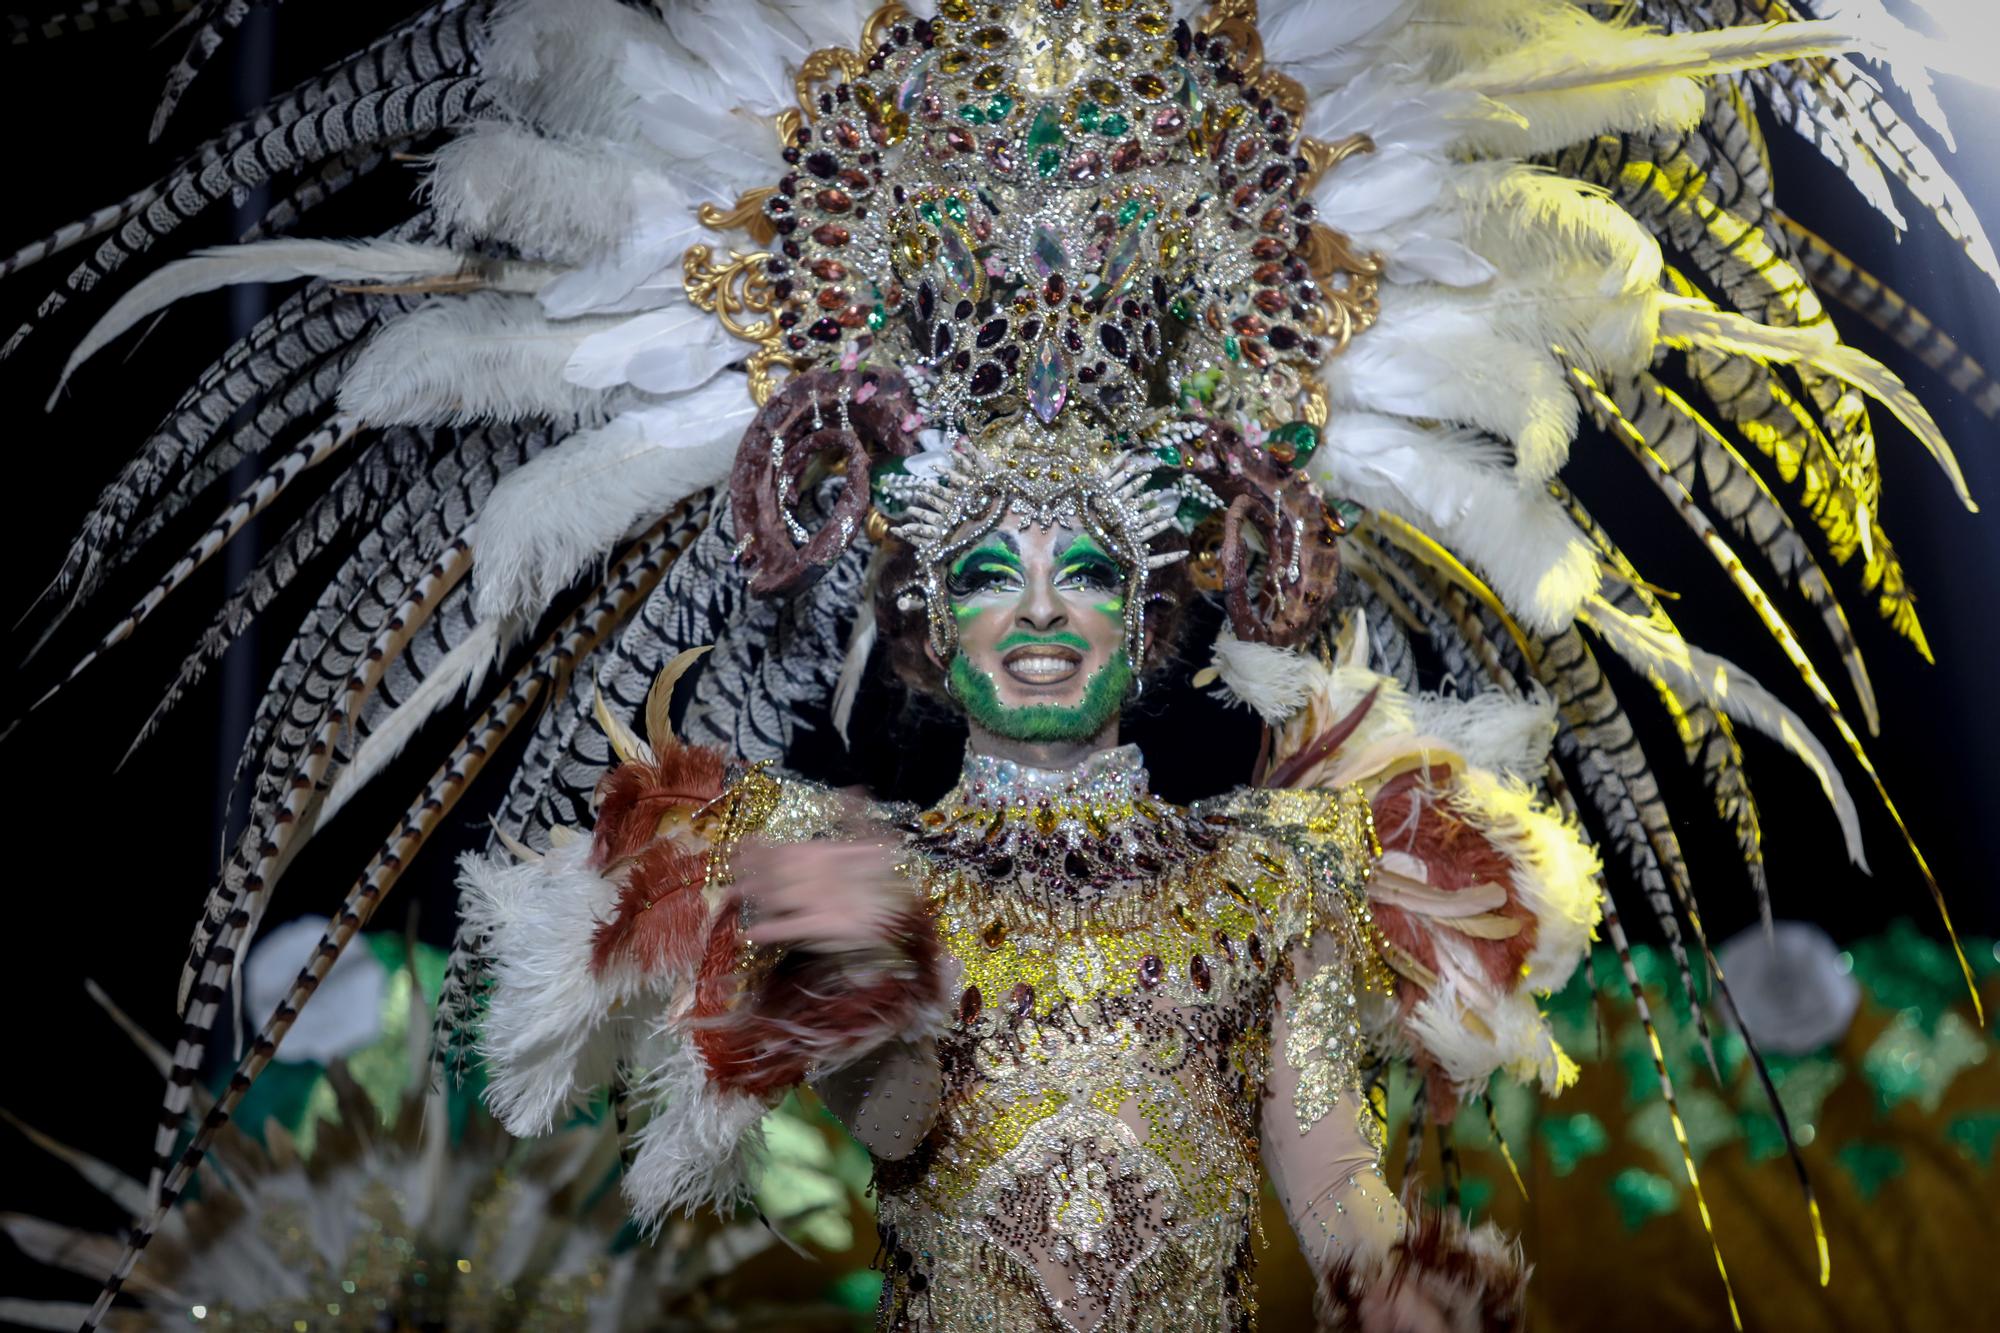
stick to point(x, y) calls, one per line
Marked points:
point(1478, 897)
point(619, 961)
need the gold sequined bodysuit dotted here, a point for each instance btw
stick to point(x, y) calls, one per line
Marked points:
point(1124, 970)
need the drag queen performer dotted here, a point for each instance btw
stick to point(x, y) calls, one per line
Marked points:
point(757, 348)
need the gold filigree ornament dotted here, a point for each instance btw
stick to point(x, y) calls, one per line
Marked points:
point(737, 288)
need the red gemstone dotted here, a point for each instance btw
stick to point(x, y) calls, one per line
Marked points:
point(1198, 971)
point(829, 270)
point(831, 235)
point(834, 201)
point(1270, 301)
point(831, 298)
point(1268, 247)
point(846, 135)
point(960, 139)
point(969, 1004)
point(1256, 947)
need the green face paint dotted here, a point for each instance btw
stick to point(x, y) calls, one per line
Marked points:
point(1103, 696)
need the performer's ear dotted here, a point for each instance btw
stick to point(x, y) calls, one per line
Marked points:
point(931, 652)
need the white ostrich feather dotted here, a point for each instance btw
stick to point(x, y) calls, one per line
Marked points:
point(1493, 731)
point(547, 1036)
point(502, 182)
point(1322, 43)
point(1430, 357)
point(1456, 485)
point(1692, 673)
point(549, 519)
point(265, 261)
point(695, 125)
point(698, 1146)
point(1273, 682)
point(1696, 323)
point(641, 268)
point(554, 64)
point(668, 350)
point(484, 357)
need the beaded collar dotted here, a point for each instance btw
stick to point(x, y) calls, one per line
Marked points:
point(1111, 779)
point(1061, 841)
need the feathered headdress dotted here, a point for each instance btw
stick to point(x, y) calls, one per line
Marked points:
point(618, 380)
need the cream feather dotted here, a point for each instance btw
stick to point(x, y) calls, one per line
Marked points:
point(501, 182)
point(555, 64)
point(461, 669)
point(698, 1147)
point(548, 520)
point(1273, 682)
point(677, 347)
point(266, 261)
point(1584, 53)
point(1429, 357)
point(854, 665)
point(484, 357)
point(1693, 673)
point(1696, 323)
point(547, 1036)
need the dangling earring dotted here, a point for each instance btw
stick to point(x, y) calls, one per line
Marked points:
point(1138, 686)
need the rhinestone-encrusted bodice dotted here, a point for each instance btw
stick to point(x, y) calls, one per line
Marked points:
point(1094, 1164)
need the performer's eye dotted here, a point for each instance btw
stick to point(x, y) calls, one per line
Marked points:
point(1091, 571)
point(983, 571)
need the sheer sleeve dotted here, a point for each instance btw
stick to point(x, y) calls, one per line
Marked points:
point(1322, 1140)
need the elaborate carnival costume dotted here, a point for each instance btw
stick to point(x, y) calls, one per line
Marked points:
point(1252, 301)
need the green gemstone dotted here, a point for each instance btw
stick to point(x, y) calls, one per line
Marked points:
point(1047, 131)
point(928, 212)
point(1180, 309)
point(1303, 436)
point(1086, 116)
point(1191, 512)
point(877, 317)
point(1230, 349)
point(954, 207)
point(999, 107)
point(1169, 455)
point(971, 114)
point(1114, 127)
point(1046, 163)
point(1127, 211)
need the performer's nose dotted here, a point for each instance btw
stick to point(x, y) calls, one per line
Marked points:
point(1041, 610)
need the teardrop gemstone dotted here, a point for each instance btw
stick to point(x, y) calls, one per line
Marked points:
point(961, 266)
point(1045, 251)
point(1048, 383)
point(911, 90)
point(1119, 264)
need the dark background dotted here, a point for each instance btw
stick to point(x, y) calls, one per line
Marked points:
point(110, 862)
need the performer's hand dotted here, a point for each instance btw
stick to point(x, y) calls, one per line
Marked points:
point(824, 896)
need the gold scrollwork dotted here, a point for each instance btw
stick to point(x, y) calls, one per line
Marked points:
point(1322, 156)
point(821, 63)
point(747, 214)
point(875, 31)
point(738, 293)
